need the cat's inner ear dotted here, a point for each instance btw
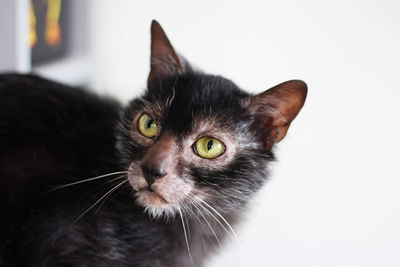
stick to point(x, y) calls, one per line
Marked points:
point(164, 60)
point(276, 108)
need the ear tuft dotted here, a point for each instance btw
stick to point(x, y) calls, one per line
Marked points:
point(276, 108)
point(164, 60)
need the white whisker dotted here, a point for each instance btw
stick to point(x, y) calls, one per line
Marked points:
point(105, 199)
point(205, 219)
point(215, 218)
point(105, 195)
point(223, 196)
point(199, 224)
point(229, 226)
point(87, 180)
point(187, 225)
point(222, 218)
point(184, 231)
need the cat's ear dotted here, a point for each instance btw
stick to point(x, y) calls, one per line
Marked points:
point(276, 108)
point(164, 60)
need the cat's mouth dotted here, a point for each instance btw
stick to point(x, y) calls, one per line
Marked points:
point(161, 196)
point(152, 196)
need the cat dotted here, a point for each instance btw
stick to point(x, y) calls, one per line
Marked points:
point(167, 175)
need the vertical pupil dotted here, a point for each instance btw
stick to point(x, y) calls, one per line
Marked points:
point(149, 123)
point(209, 144)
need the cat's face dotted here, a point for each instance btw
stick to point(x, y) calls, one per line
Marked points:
point(196, 139)
point(196, 131)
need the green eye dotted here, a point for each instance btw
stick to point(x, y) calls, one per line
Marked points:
point(209, 148)
point(147, 126)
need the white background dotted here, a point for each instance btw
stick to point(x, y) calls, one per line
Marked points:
point(334, 196)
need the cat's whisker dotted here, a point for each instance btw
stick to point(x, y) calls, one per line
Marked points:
point(187, 223)
point(115, 179)
point(205, 219)
point(100, 199)
point(222, 218)
point(198, 222)
point(107, 185)
point(190, 210)
point(86, 180)
point(215, 196)
point(201, 192)
point(186, 237)
point(105, 199)
point(226, 230)
point(108, 182)
point(226, 222)
point(215, 218)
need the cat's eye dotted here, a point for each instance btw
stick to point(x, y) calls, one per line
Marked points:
point(209, 147)
point(147, 126)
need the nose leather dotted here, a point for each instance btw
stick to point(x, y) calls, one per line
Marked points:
point(158, 159)
point(151, 174)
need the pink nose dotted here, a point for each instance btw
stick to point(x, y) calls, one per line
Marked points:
point(159, 158)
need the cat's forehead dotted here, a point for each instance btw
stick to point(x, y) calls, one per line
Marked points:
point(192, 100)
point(196, 93)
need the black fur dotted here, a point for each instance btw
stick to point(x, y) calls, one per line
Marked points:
point(52, 134)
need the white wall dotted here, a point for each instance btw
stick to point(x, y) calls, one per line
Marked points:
point(334, 197)
point(14, 30)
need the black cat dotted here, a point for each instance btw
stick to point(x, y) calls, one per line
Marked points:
point(169, 172)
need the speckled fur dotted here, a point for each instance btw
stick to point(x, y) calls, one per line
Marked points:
point(72, 131)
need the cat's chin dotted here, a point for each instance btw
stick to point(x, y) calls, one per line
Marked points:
point(153, 198)
point(155, 205)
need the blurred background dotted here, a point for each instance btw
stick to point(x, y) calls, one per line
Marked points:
point(334, 195)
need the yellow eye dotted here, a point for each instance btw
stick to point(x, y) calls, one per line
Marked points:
point(209, 148)
point(147, 126)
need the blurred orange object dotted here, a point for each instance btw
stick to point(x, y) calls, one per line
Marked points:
point(53, 29)
point(32, 32)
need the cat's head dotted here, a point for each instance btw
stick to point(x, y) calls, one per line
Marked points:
point(195, 139)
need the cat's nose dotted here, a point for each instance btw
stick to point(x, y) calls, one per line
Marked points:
point(151, 174)
point(159, 158)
